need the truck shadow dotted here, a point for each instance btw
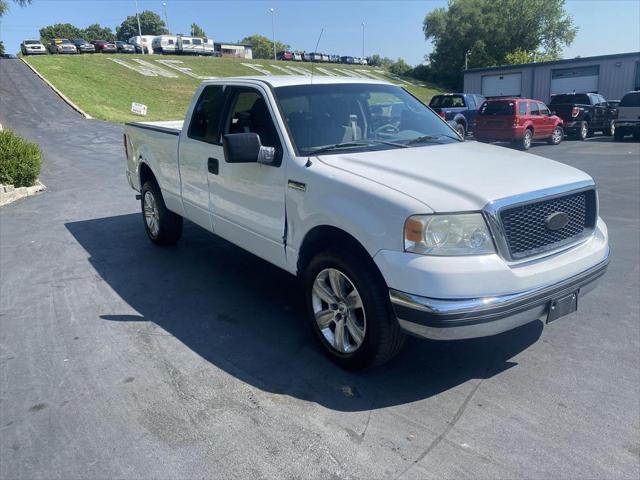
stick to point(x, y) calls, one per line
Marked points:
point(246, 317)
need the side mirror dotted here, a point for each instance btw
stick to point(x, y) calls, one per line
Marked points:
point(553, 113)
point(247, 148)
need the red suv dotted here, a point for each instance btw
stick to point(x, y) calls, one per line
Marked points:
point(517, 120)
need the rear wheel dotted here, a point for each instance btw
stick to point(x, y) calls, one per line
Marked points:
point(349, 310)
point(618, 136)
point(163, 227)
point(583, 133)
point(556, 136)
point(527, 138)
point(461, 130)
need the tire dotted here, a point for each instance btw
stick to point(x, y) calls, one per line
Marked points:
point(611, 131)
point(527, 139)
point(583, 133)
point(636, 136)
point(618, 136)
point(556, 136)
point(461, 130)
point(376, 336)
point(163, 227)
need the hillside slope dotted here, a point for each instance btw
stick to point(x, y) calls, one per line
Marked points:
point(105, 85)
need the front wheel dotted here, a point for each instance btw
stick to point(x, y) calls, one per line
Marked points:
point(610, 130)
point(349, 310)
point(556, 136)
point(163, 227)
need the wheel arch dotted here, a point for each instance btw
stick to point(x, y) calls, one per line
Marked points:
point(325, 238)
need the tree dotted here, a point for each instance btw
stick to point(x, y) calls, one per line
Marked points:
point(1, 47)
point(197, 31)
point(262, 47)
point(96, 32)
point(400, 67)
point(4, 6)
point(59, 30)
point(521, 56)
point(377, 60)
point(150, 24)
point(486, 31)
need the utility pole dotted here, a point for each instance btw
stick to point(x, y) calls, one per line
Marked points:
point(466, 59)
point(273, 33)
point(139, 29)
point(363, 40)
point(166, 19)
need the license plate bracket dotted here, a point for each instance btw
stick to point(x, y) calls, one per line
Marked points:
point(562, 306)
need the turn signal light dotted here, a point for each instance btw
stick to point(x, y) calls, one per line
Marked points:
point(575, 111)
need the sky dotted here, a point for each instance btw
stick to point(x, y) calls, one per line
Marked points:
point(393, 28)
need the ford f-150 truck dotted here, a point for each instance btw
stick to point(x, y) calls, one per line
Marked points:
point(459, 109)
point(393, 223)
point(583, 114)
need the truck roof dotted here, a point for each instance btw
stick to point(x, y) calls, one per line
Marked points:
point(290, 80)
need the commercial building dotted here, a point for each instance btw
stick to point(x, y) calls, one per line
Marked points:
point(609, 75)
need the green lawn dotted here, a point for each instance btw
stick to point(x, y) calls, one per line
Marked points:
point(105, 89)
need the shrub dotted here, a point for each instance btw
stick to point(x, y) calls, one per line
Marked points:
point(19, 160)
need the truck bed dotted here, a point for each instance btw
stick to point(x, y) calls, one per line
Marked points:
point(171, 126)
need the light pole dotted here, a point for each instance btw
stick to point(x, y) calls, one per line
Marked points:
point(273, 33)
point(363, 40)
point(139, 29)
point(166, 19)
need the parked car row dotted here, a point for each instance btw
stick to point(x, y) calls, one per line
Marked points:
point(521, 121)
point(75, 46)
point(319, 57)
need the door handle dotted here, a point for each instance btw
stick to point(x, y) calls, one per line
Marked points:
point(212, 165)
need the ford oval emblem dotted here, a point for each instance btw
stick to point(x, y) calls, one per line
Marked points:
point(557, 221)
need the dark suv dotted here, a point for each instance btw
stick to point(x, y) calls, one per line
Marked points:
point(459, 109)
point(584, 113)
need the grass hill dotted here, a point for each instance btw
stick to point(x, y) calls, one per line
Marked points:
point(104, 85)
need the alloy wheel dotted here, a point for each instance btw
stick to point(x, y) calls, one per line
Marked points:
point(151, 215)
point(338, 310)
point(556, 136)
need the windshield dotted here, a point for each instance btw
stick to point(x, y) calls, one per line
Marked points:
point(631, 100)
point(32, 42)
point(358, 117)
point(447, 101)
point(498, 108)
point(580, 98)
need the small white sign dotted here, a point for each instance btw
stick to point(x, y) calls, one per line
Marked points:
point(138, 108)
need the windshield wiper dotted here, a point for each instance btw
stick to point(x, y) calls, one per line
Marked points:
point(430, 138)
point(355, 144)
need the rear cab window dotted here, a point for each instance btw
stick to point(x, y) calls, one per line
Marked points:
point(579, 98)
point(447, 101)
point(630, 100)
point(504, 107)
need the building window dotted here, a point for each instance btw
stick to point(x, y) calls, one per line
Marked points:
point(636, 85)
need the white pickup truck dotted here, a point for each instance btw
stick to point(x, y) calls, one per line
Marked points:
point(393, 223)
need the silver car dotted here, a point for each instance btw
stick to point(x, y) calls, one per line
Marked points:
point(32, 47)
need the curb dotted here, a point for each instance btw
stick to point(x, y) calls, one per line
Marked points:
point(9, 193)
point(58, 92)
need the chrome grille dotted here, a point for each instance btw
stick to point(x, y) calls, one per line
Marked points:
point(525, 229)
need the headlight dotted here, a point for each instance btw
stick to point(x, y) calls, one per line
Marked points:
point(452, 234)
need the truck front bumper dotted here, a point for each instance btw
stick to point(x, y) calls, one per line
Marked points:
point(440, 319)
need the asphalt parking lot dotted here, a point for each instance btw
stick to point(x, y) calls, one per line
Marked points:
point(121, 359)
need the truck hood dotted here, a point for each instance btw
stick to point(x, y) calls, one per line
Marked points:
point(458, 176)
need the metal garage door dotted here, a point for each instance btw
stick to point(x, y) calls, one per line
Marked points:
point(507, 85)
point(576, 79)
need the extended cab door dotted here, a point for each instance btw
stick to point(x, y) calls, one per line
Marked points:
point(248, 199)
point(199, 152)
